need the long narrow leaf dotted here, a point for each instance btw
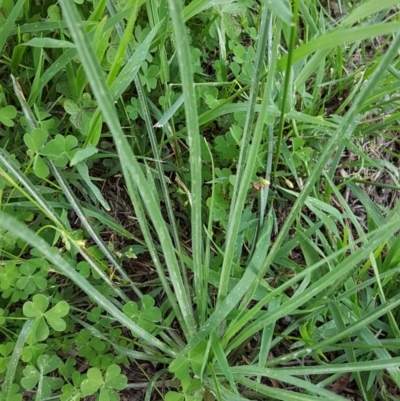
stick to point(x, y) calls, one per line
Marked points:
point(193, 139)
point(13, 362)
point(128, 161)
point(156, 153)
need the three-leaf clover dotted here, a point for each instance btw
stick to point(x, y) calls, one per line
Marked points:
point(134, 109)
point(60, 149)
point(35, 141)
point(72, 391)
point(227, 146)
point(81, 113)
point(146, 316)
point(300, 152)
point(106, 386)
point(94, 349)
point(37, 376)
point(37, 308)
point(149, 76)
point(31, 278)
point(181, 366)
point(190, 391)
point(32, 351)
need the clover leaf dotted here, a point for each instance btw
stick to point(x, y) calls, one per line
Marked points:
point(106, 386)
point(134, 109)
point(146, 316)
point(9, 275)
point(189, 387)
point(6, 350)
point(7, 115)
point(38, 309)
point(33, 350)
point(180, 367)
point(149, 76)
point(14, 394)
point(35, 140)
point(94, 349)
point(60, 149)
point(81, 113)
point(227, 146)
point(37, 376)
point(31, 279)
point(72, 391)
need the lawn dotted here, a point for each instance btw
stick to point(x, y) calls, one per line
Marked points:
point(199, 200)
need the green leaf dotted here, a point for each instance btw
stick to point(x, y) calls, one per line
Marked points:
point(231, 26)
point(70, 142)
point(84, 173)
point(71, 107)
point(40, 330)
point(114, 379)
point(180, 367)
point(40, 167)
point(281, 9)
point(7, 114)
point(31, 377)
point(83, 154)
point(9, 22)
point(55, 314)
point(93, 382)
point(53, 149)
point(9, 275)
point(54, 13)
point(35, 140)
point(47, 363)
point(131, 309)
point(174, 396)
point(61, 309)
point(197, 355)
point(112, 372)
point(37, 307)
point(191, 385)
point(49, 42)
point(336, 38)
point(368, 8)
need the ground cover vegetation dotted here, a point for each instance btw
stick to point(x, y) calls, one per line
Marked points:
point(198, 200)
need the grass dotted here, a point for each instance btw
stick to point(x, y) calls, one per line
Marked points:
point(199, 199)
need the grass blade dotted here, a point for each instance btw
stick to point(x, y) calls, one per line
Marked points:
point(339, 37)
point(9, 25)
point(13, 362)
point(242, 185)
point(128, 161)
point(193, 139)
